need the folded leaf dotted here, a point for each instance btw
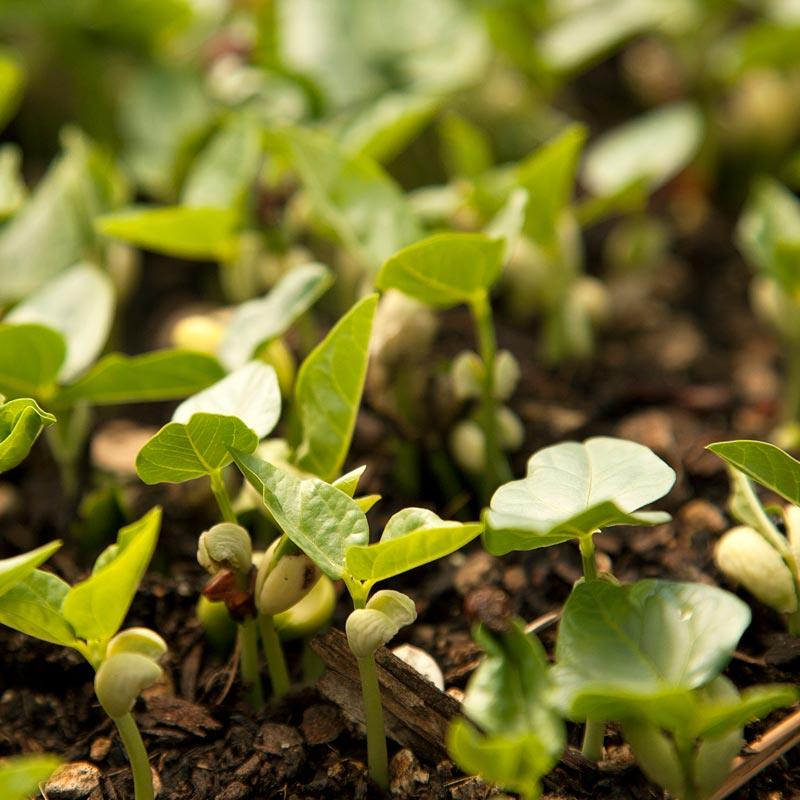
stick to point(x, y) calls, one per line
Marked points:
point(21, 422)
point(30, 359)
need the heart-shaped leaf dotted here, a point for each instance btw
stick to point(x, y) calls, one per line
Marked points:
point(79, 304)
point(328, 392)
point(258, 321)
point(16, 569)
point(21, 422)
point(319, 518)
point(446, 269)
point(573, 489)
point(30, 360)
point(639, 651)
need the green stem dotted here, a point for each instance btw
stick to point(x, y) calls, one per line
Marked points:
point(377, 755)
point(137, 755)
point(586, 544)
point(793, 623)
point(248, 662)
point(223, 498)
point(594, 734)
point(273, 652)
point(497, 468)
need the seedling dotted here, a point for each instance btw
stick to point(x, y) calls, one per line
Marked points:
point(87, 617)
point(572, 491)
point(649, 655)
point(21, 422)
point(327, 525)
point(20, 777)
point(512, 735)
point(756, 554)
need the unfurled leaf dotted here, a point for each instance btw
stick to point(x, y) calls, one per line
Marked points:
point(654, 147)
point(764, 463)
point(160, 375)
point(354, 196)
point(30, 360)
point(320, 519)
point(574, 489)
point(328, 392)
point(181, 452)
point(446, 269)
point(21, 422)
point(79, 304)
point(639, 651)
point(21, 777)
point(258, 321)
point(16, 569)
point(96, 607)
point(184, 231)
point(519, 737)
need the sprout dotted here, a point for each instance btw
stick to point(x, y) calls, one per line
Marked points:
point(121, 679)
point(373, 626)
point(283, 583)
point(225, 546)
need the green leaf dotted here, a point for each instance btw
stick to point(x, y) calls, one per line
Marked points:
point(521, 737)
point(638, 651)
point(466, 149)
point(21, 777)
point(572, 490)
point(30, 359)
point(161, 375)
point(509, 221)
point(328, 392)
point(354, 196)
point(319, 518)
point(655, 147)
point(258, 321)
point(33, 607)
point(251, 394)
point(764, 463)
point(548, 175)
point(179, 453)
point(96, 607)
point(79, 304)
point(184, 231)
point(348, 483)
point(401, 552)
point(21, 422)
point(12, 187)
point(16, 569)
point(53, 228)
point(223, 172)
point(446, 269)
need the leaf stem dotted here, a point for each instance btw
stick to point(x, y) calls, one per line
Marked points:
point(594, 734)
point(377, 754)
point(273, 652)
point(497, 468)
point(222, 497)
point(586, 544)
point(248, 662)
point(137, 755)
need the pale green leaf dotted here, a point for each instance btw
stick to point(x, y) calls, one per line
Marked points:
point(320, 519)
point(328, 392)
point(79, 304)
point(15, 569)
point(96, 607)
point(466, 150)
point(258, 321)
point(446, 269)
point(21, 422)
point(30, 359)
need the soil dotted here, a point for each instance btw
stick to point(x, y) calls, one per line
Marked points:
point(685, 365)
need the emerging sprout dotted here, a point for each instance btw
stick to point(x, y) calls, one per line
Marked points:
point(225, 546)
point(121, 679)
point(376, 624)
point(282, 583)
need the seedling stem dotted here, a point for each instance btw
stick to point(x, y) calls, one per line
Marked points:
point(377, 755)
point(223, 498)
point(273, 652)
point(137, 755)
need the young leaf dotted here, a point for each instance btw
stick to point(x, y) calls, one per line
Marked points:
point(574, 489)
point(79, 304)
point(16, 569)
point(521, 738)
point(21, 422)
point(33, 607)
point(764, 463)
point(446, 269)
point(97, 606)
point(348, 483)
point(161, 375)
point(251, 394)
point(654, 147)
point(320, 519)
point(179, 452)
point(183, 231)
point(258, 321)
point(401, 552)
point(30, 359)
point(21, 777)
point(638, 651)
point(328, 392)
